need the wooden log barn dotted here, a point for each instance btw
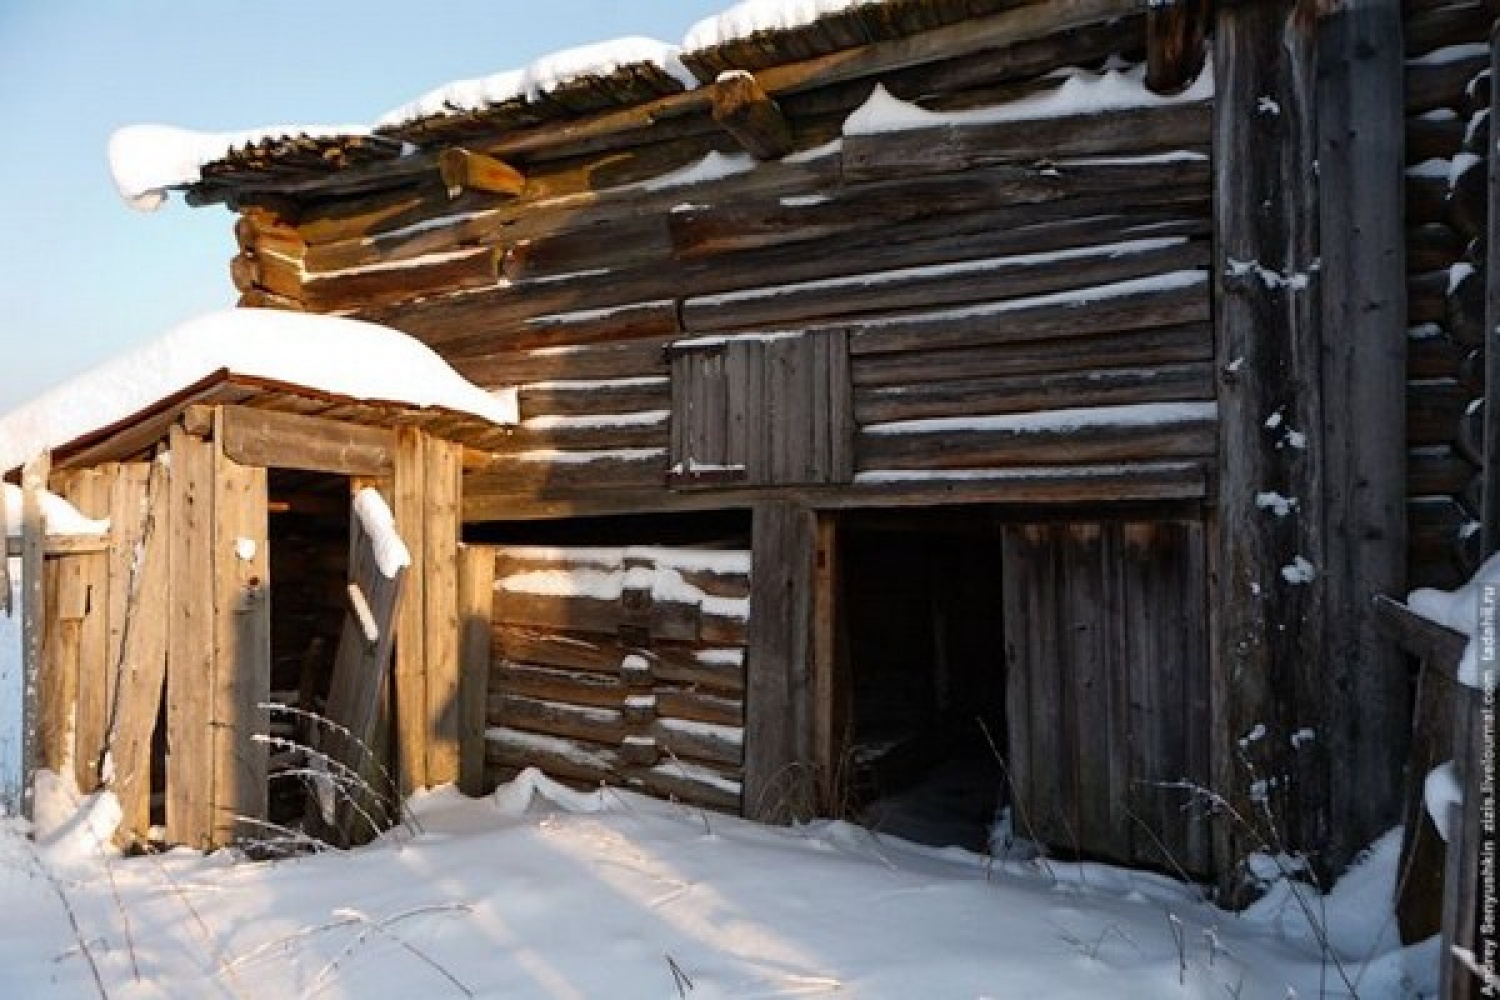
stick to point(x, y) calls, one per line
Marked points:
point(1050, 385)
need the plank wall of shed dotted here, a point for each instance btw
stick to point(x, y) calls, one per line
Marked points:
point(915, 248)
point(1447, 130)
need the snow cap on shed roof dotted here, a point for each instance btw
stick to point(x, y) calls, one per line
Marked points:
point(326, 355)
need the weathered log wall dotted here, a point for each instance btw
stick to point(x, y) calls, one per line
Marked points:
point(1447, 133)
point(620, 666)
point(969, 270)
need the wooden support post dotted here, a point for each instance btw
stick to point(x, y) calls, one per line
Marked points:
point(5, 584)
point(442, 485)
point(1366, 726)
point(410, 511)
point(476, 599)
point(826, 688)
point(1267, 646)
point(190, 640)
point(241, 679)
point(33, 615)
point(779, 780)
point(749, 114)
point(463, 170)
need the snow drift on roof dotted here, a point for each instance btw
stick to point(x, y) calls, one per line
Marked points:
point(746, 18)
point(541, 77)
point(146, 160)
point(327, 354)
point(1082, 93)
point(58, 516)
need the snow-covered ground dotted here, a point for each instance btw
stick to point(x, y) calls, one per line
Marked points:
point(538, 891)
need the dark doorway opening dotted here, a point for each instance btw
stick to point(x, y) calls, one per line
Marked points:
point(924, 634)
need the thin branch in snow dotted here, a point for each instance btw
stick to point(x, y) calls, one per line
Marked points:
point(67, 905)
point(383, 926)
point(679, 978)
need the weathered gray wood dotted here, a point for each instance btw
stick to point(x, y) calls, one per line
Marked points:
point(292, 441)
point(360, 681)
point(1175, 48)
point(1268, 333)
point(1360, 168)
point(778, 752)
point(963, 147)
point(751, 116)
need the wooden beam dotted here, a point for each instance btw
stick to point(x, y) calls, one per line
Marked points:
point(5, 584)
point(1175, 44)
point(268, 438)
point(410, 688)
point(463, 170)
point(779, 780)
point(1365, 732)
point(749, 114)
point(33, 617)
point(442, 487)
point(1437, 646)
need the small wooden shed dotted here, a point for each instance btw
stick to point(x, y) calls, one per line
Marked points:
point(179, 662)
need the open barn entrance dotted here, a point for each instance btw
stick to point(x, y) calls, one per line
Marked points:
point(309, 536)
point(1049, 664)
point(922, 596)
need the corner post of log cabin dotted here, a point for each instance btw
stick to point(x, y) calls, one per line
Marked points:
point(1361, 167)
point(33, 617)
point(1267, 648)
point(779, 758)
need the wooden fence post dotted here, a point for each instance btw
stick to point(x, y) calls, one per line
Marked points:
point(33, 615)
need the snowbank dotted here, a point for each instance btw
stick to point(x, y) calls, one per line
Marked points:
point(1459, 610)
point(146, 160)
point(540, 891)
point(340, 357)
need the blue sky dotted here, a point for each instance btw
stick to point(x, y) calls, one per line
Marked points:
point(82, 276)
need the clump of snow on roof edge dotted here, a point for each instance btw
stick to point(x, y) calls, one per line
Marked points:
point(146, 160)
point(58, 516)
point(1459, 610)
point(327, 354)
point(542, 76)
point(391, 553)
point(750, 16)
point(1083, 92)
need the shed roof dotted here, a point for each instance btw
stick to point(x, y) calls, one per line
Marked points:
point(319, 365)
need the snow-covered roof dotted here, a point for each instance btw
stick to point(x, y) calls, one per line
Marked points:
point(325, 355)
point(752, 16)
point(543, 76)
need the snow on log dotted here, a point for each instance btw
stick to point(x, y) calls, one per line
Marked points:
point(58, 516)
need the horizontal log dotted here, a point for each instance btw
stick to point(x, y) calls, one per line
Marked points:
point(583, 613)
point(1139, 348)
point(292, 441)
point(558, 757)
point(610, 432)
point(1427, 298)
point(575, 687)
point(551, 718)
point(1442, 84)
point(464, 170)
point(1154, 303)
point(1112, 434)
point(1433, 411)
point(1426, 198)
point(928, 286)
point(605, 362)
point(61, 545)
point(1429, 138)
point(575, 328)
point(692, 785)
point(1469, 199)
point(717, 669)
point(582, 398)
point(547, 473)
point(954, 147)
point(1436, 645)
point(397, 281)
point(697, 741)
point(1014, 194)
point(697, 706)
point(965, 397)
point(749, 114)
point(1452, 23)
point(1432, 353)
point(701, 569)
point(1464, 306)
point(1431, 246)
point(1434, 469)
